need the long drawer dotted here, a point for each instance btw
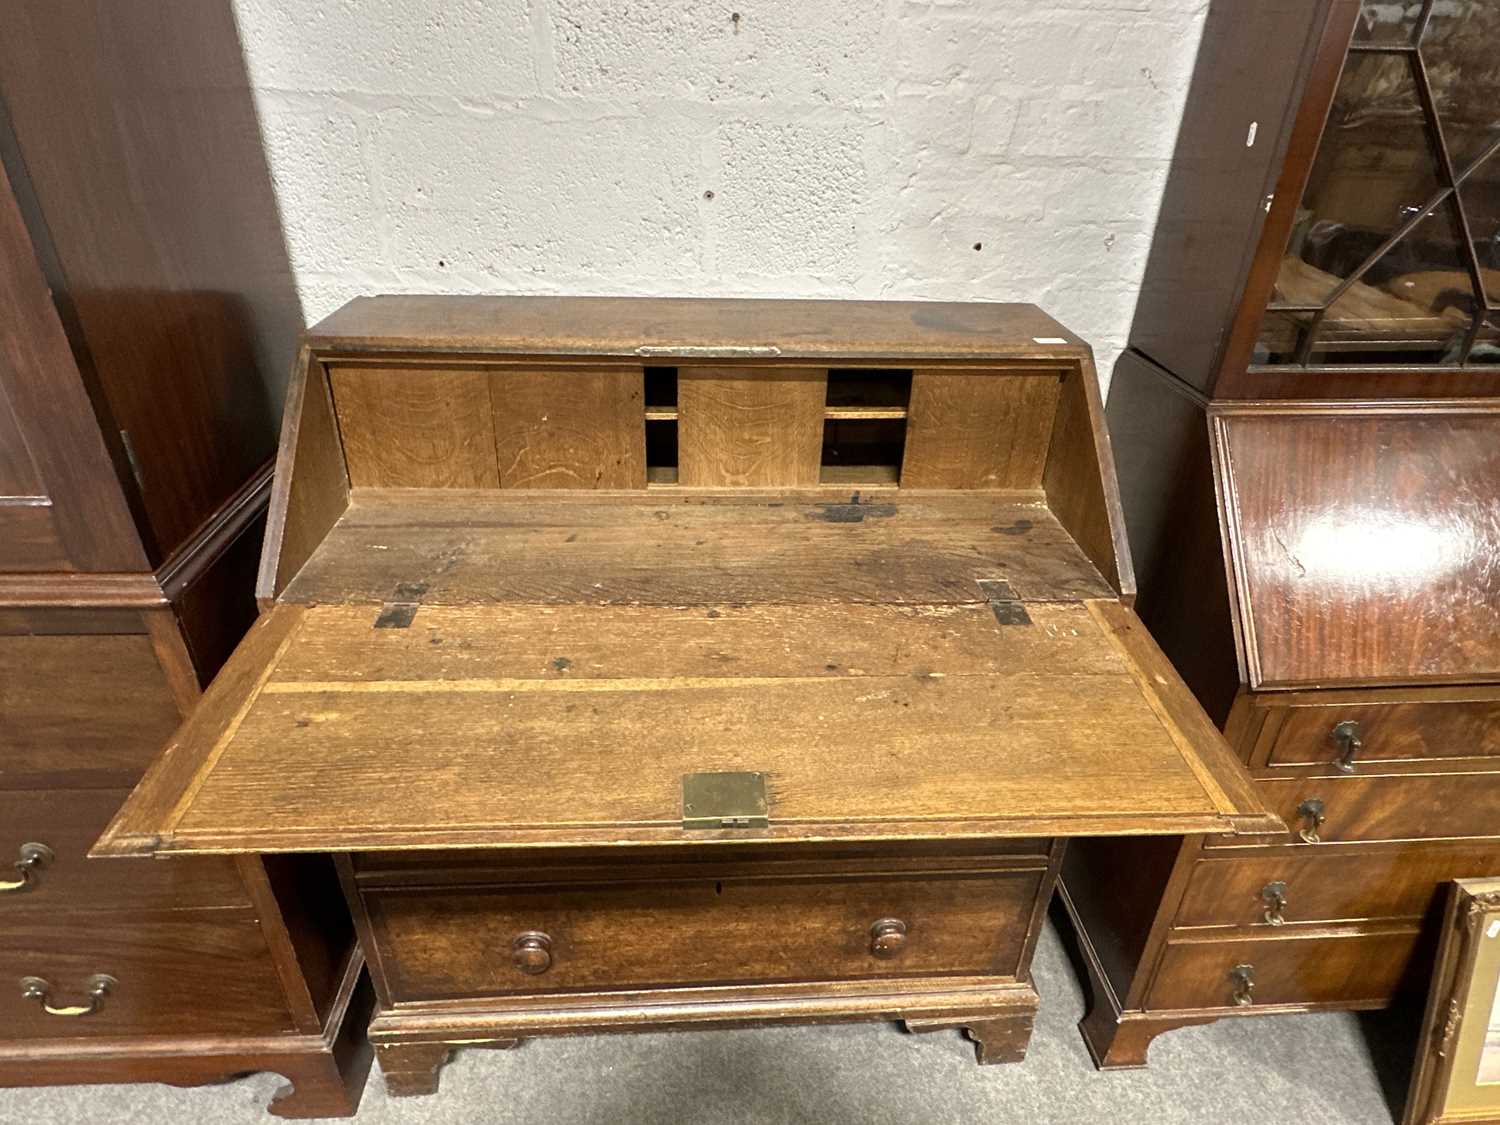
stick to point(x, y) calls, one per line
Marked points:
point(1405, 806)
point(437, 944)
point(183, 972)
point(1244, 973)
point(81, 710)
point(1295, 886)
point(66, 822)
point(1356, 734)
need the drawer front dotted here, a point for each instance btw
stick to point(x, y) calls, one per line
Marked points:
point(1393, 807)
point(449, 944)
point(1391, 732)
point(66, 822)
point(1338, 969)
point(188, 972)
point(81, 710)
point(1312, 885)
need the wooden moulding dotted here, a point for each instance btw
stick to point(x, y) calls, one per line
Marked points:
point(413, 1042)
point(145, 591)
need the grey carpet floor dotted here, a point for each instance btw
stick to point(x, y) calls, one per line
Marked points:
point(1332, 1069)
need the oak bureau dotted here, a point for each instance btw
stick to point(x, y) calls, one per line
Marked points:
point(664, 663)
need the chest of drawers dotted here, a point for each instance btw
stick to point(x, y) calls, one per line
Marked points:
point(142, 349)
point(653, 664)
point(1361, 543)
point(1307, 432)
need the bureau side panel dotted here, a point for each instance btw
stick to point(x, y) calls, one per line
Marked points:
point(1236, 123)
point(1159, 430)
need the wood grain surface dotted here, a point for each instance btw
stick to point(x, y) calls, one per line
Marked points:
point(694, 549)
point(974, 430)
point(899, 732)
point(156, 218)
point(585, 432)
point(180, 972)
point(456, 943)
point(1324, 885)
point(68, 821)
point(81, 735)
point(428, 429)
point(1366, 545)
point(584, 326)
point(1397, 806)
point(86, 523)
point(1296, 969)
point(750, 427)
point(1391, 729)
point(311, 487)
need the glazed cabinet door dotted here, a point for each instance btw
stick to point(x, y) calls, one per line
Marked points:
point(1392, 258)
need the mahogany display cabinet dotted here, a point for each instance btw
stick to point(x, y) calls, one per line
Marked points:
point(1307, 428)
point(650, 664)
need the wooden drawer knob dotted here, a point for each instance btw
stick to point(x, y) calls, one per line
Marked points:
point(531, 952)
point(887, 938)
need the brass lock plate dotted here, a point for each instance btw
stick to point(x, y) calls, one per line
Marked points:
point(724, 800)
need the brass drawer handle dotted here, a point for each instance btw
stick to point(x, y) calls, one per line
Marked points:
point(34, 857)
point(887, 938)
point(1346, 737)
point(1311, 812)
point(531, 952)
point(1242, 980)
point(1274, 896)
point(99, 985)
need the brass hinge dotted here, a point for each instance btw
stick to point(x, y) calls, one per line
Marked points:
point(724, 800)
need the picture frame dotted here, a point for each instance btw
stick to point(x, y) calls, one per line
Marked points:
point(1457, 1074)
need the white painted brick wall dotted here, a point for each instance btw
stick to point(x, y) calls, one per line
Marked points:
point(953, 149)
